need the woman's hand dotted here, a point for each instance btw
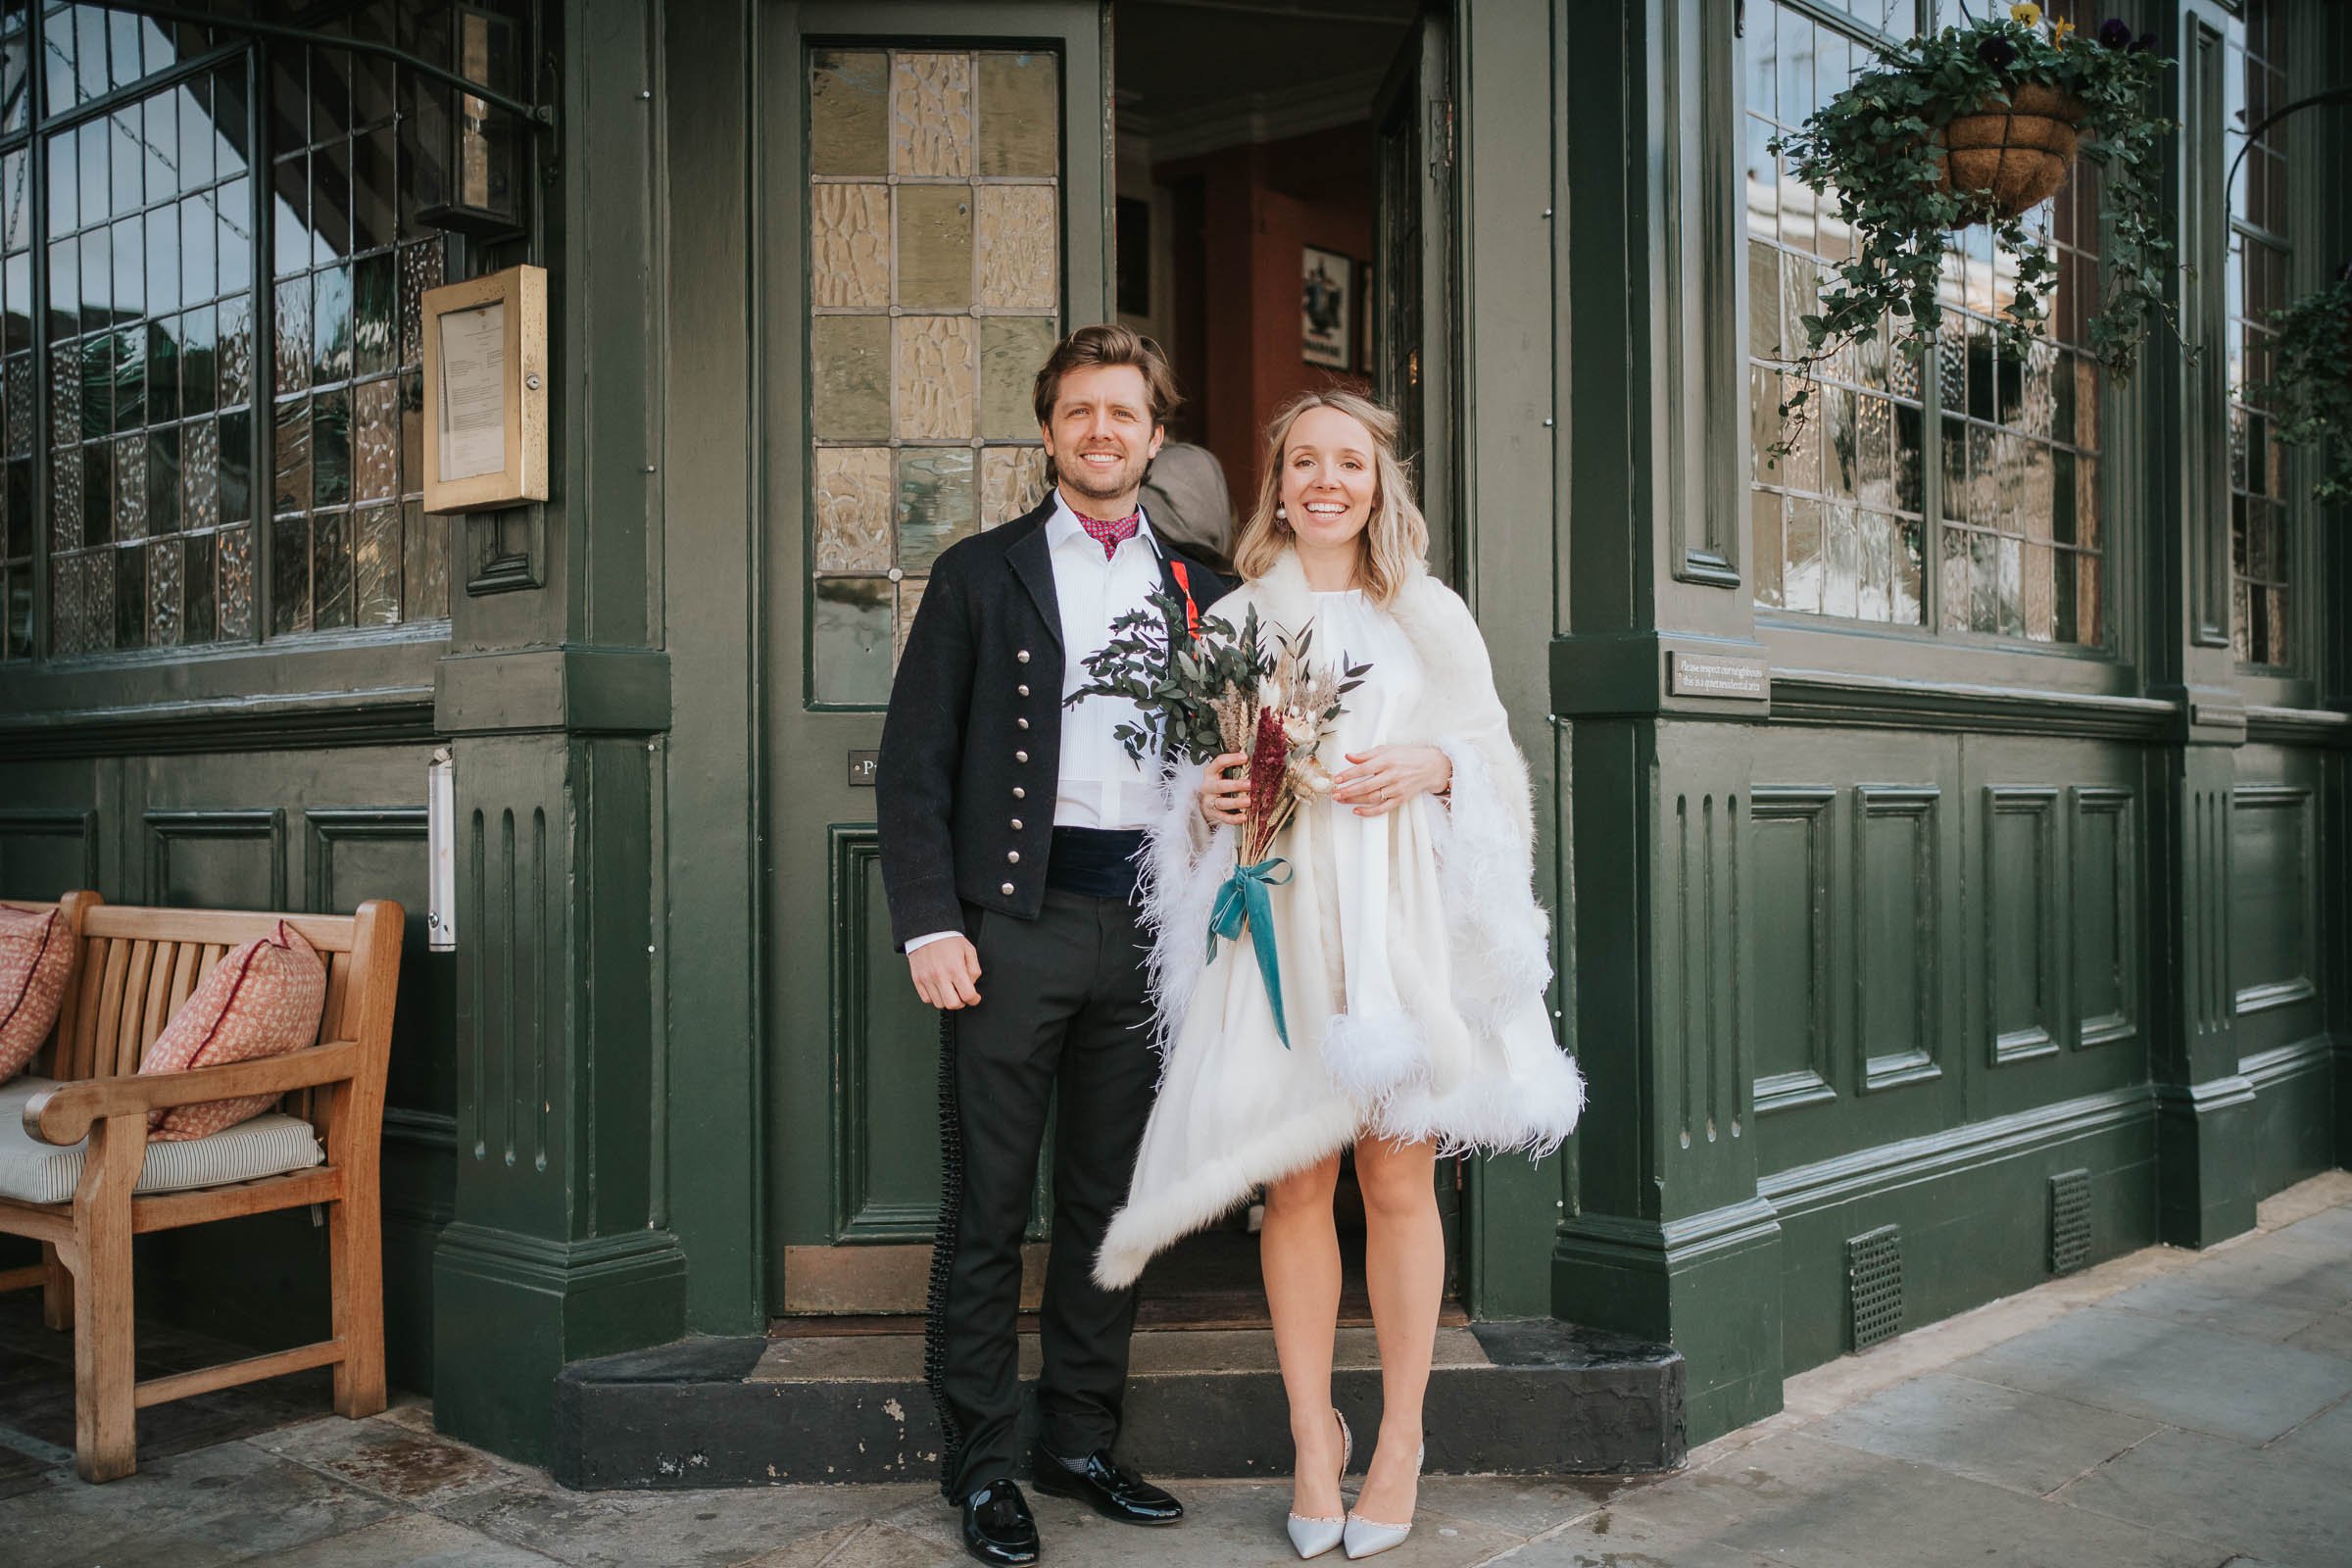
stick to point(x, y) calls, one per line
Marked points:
point(1387, 776)
point(1225, 799)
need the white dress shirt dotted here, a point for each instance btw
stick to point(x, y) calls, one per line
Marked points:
point(1099, 786)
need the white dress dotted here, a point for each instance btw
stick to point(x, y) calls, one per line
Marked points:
point(1386, 1037)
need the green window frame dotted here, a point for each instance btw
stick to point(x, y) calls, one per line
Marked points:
point(2260, 258)
point(211, 264)
point(1958, 496)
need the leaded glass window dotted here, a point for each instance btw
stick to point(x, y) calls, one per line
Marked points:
point(934, 295)
point(168, 359)
point(349, 542)
point(2257, 285)
point(1982, 468)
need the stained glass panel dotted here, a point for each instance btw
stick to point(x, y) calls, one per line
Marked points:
point(934, 296)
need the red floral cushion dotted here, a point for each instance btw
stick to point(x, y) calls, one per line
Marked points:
point(37, 954)
point(262, 1000)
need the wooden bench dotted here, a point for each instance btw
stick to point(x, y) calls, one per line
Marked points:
point(135, 968)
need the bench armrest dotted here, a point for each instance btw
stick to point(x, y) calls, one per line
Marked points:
point(63, 1115)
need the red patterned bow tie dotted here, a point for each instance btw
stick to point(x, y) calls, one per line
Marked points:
point(1109, 535)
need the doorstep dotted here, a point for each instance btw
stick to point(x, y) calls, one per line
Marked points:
point(1538, 1398)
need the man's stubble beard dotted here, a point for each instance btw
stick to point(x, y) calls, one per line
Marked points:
point(1081, 479)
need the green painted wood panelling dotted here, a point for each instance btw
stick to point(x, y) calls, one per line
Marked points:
point(45, 852)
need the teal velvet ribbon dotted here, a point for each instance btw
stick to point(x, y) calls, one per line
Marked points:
point(1244, 900)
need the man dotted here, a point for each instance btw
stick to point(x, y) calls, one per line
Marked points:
point(1008, 827)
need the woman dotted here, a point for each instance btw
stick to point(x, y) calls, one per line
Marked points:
point(1413, 961)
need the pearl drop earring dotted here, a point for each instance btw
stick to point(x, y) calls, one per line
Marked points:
point(1282, 514)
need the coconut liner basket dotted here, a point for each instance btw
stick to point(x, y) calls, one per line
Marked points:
point(2006, 158)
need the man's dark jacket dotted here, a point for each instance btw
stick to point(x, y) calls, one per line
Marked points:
point(971, 751)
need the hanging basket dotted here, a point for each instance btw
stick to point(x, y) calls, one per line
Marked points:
point(2005, 160)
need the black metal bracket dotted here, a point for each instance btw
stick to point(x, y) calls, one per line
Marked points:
point(539, 116)
point(2327, 95)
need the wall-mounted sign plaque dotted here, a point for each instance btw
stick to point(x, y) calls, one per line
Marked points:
point(1714, 675)
point(485, 392)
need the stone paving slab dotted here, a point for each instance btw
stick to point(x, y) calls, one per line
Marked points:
point(2330, 1335)
point(711, 1529)
point(2287, 1509)
point(2180, 1374)
point(2273, 1290)
point(218, 1506)
point(407, 1540)
point(2034, 1443)
point(1796, 1499)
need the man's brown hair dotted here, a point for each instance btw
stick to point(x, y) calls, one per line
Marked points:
point(1108, 343)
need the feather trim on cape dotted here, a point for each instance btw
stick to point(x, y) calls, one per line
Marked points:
point(1378, 1065)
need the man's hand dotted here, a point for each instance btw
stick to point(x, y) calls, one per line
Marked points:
point(946, 972)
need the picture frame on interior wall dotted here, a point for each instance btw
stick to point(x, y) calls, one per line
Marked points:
point(1327, 308)
point(485, 391)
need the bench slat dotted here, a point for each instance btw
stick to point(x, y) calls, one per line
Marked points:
point(157, 1007)
point(100, 1062)
point(185, 975)
point(123, 1050)
point(328, 933)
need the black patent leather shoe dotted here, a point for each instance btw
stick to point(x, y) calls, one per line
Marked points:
point(996, 1527)
point(1109, 1488)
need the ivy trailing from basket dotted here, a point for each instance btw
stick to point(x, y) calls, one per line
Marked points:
point(1885, 147)
point(2311, 387)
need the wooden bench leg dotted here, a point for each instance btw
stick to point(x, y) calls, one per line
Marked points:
point(105, 1351)
point(356, 1259)
point(57, 1291)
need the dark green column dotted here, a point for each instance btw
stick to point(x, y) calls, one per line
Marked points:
point(555, 698)
point(2204, 1106)
point(1657, 678)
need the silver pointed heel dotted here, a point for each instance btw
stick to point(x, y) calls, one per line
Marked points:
point(1311, 1536)
point(1369, 1538)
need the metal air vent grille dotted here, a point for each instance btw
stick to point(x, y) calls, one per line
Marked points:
point(2069, 1221)
point(1874, 1277)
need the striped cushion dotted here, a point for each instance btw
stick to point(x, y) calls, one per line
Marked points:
point(34, 1172)
point(36, 953)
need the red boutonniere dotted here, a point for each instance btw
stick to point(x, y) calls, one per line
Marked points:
point(1191, 612)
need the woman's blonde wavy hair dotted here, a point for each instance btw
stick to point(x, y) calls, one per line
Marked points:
point(1394, 541)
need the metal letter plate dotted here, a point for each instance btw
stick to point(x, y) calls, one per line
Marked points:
point(1714, 675)
point(863, 767)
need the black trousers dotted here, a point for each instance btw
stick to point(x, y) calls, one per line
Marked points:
point(1063, 1013)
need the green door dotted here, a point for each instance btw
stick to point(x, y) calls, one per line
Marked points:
point(1415, 317)
point(936, 212)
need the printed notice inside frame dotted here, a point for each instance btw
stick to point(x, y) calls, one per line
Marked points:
point(485, 392)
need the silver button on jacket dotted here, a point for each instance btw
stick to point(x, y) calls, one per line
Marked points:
point(1006, 890)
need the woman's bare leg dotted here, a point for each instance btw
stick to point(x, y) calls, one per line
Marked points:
point(1299, 1251)
point(1404, 1271)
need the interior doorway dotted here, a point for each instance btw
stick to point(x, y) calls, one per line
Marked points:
point(1274, 234)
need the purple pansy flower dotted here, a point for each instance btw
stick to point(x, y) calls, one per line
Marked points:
point(2146, 42)
point(2115, 33)
point(1997, 52)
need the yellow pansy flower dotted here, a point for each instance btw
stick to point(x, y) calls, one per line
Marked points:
point(2027, 15)
point(2060, 30)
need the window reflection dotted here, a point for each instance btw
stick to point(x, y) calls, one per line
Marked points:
point(1842, 526)
point(2256, 285)
point(146, 498)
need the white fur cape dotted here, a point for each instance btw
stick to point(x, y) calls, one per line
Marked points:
point(1440, 1033)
